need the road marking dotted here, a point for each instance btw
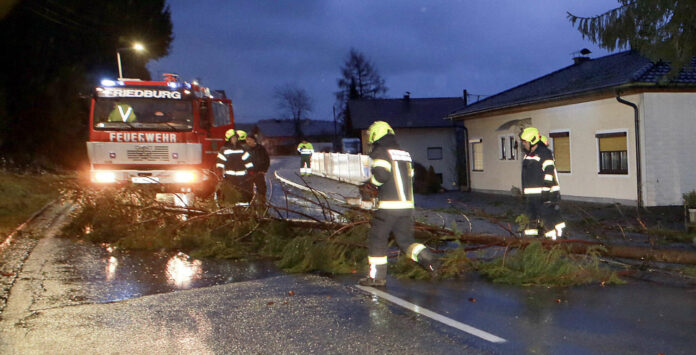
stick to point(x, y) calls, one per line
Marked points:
point(435, 316)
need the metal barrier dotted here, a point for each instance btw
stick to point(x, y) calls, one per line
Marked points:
point(350, 168)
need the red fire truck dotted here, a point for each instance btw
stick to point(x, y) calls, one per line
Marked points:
point(165, 133)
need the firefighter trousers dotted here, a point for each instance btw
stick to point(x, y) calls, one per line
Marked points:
point(398, 222)
point(259, 181)
point(305, 161)
point(236, 190)
point(547, 211)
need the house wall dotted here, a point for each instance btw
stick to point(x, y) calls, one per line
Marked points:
point(669, 146)
point(583, 121)
point(417, 141)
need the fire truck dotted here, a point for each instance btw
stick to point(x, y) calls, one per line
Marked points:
point(164, 134)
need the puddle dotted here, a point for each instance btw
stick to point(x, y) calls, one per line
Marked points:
point(109, 275)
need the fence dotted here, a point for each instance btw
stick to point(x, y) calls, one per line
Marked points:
point(350, 168)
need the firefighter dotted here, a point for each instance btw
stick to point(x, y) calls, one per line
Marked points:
point(540, 187)
point(235, 161)
point(306, 150)
point(257, 173)
point(392, 178)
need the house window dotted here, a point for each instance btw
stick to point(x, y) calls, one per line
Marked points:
point(613, 153)
point(434, 153)
point(561, 150)
point(503, 148)
point(513, 148)
point(477, 154)
point(507, 149)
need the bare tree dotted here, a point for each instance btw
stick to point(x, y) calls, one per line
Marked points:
point(359, 80)
point(293, 100)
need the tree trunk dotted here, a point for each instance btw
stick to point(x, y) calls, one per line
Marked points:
point(673, 256)
point(575, 246)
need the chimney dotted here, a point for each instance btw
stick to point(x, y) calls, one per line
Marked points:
point(578, 60)
point(407, 95)
point(581, 56)
point(465, 97)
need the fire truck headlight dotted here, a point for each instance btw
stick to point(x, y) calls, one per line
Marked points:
point(185, 176)
point(104, 176)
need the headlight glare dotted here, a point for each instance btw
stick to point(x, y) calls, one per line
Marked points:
point(185, 176)
point(104, 176)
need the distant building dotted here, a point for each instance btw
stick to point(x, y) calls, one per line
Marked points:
point(279, 136)
point(249, 128)
point(619, 130)
point(421, 129)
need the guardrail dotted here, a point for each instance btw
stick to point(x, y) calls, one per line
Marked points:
point(350, 168)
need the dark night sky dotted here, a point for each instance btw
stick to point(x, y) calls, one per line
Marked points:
point(430, 48)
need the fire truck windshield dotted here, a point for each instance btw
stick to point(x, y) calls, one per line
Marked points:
point(136, 114)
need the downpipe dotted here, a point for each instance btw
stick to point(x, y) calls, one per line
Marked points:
point(636, 119)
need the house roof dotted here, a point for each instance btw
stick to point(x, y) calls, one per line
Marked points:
point(624, 69)
point(286, 128)
point(246, 127)
point(405, 112)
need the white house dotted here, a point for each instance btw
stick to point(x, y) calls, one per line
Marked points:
point(421, 129)
point(619, 133)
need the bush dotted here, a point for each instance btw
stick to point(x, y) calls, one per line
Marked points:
point(425, 180)
point(690, 199)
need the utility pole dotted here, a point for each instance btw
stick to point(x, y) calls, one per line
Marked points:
point(335, 140)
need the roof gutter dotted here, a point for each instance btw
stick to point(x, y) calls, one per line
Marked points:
point(636, 119)
point(606, 90)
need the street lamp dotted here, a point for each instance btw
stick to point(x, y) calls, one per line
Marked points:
point(138, 47)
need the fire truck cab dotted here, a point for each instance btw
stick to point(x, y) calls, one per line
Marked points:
point(163, 133)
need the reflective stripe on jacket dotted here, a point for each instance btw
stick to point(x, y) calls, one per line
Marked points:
point(305, 149)
point(392, 173)
point(539, 172)
point(234, 160)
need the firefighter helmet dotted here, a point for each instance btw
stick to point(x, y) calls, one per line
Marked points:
point(544, 140)
point(378, 130)
point(241, 135)
point(229, 134)
point(531, 135)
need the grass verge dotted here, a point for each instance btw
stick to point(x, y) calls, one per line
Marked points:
point(23, 195)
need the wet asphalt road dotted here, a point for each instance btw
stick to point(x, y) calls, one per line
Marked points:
point(71, 297)
point(74, 298)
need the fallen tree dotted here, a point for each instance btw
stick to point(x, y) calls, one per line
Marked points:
point(576, 246)
point(333, 240)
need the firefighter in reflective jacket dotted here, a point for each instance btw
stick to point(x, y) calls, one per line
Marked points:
point(306, 150)
point(234, 161)
point(540, 186)
point(392, 177)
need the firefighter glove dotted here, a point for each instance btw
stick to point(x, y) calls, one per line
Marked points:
point(367, 191)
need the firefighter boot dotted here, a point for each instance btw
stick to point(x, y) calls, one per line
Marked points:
point(377, 276)
point(430, 261)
